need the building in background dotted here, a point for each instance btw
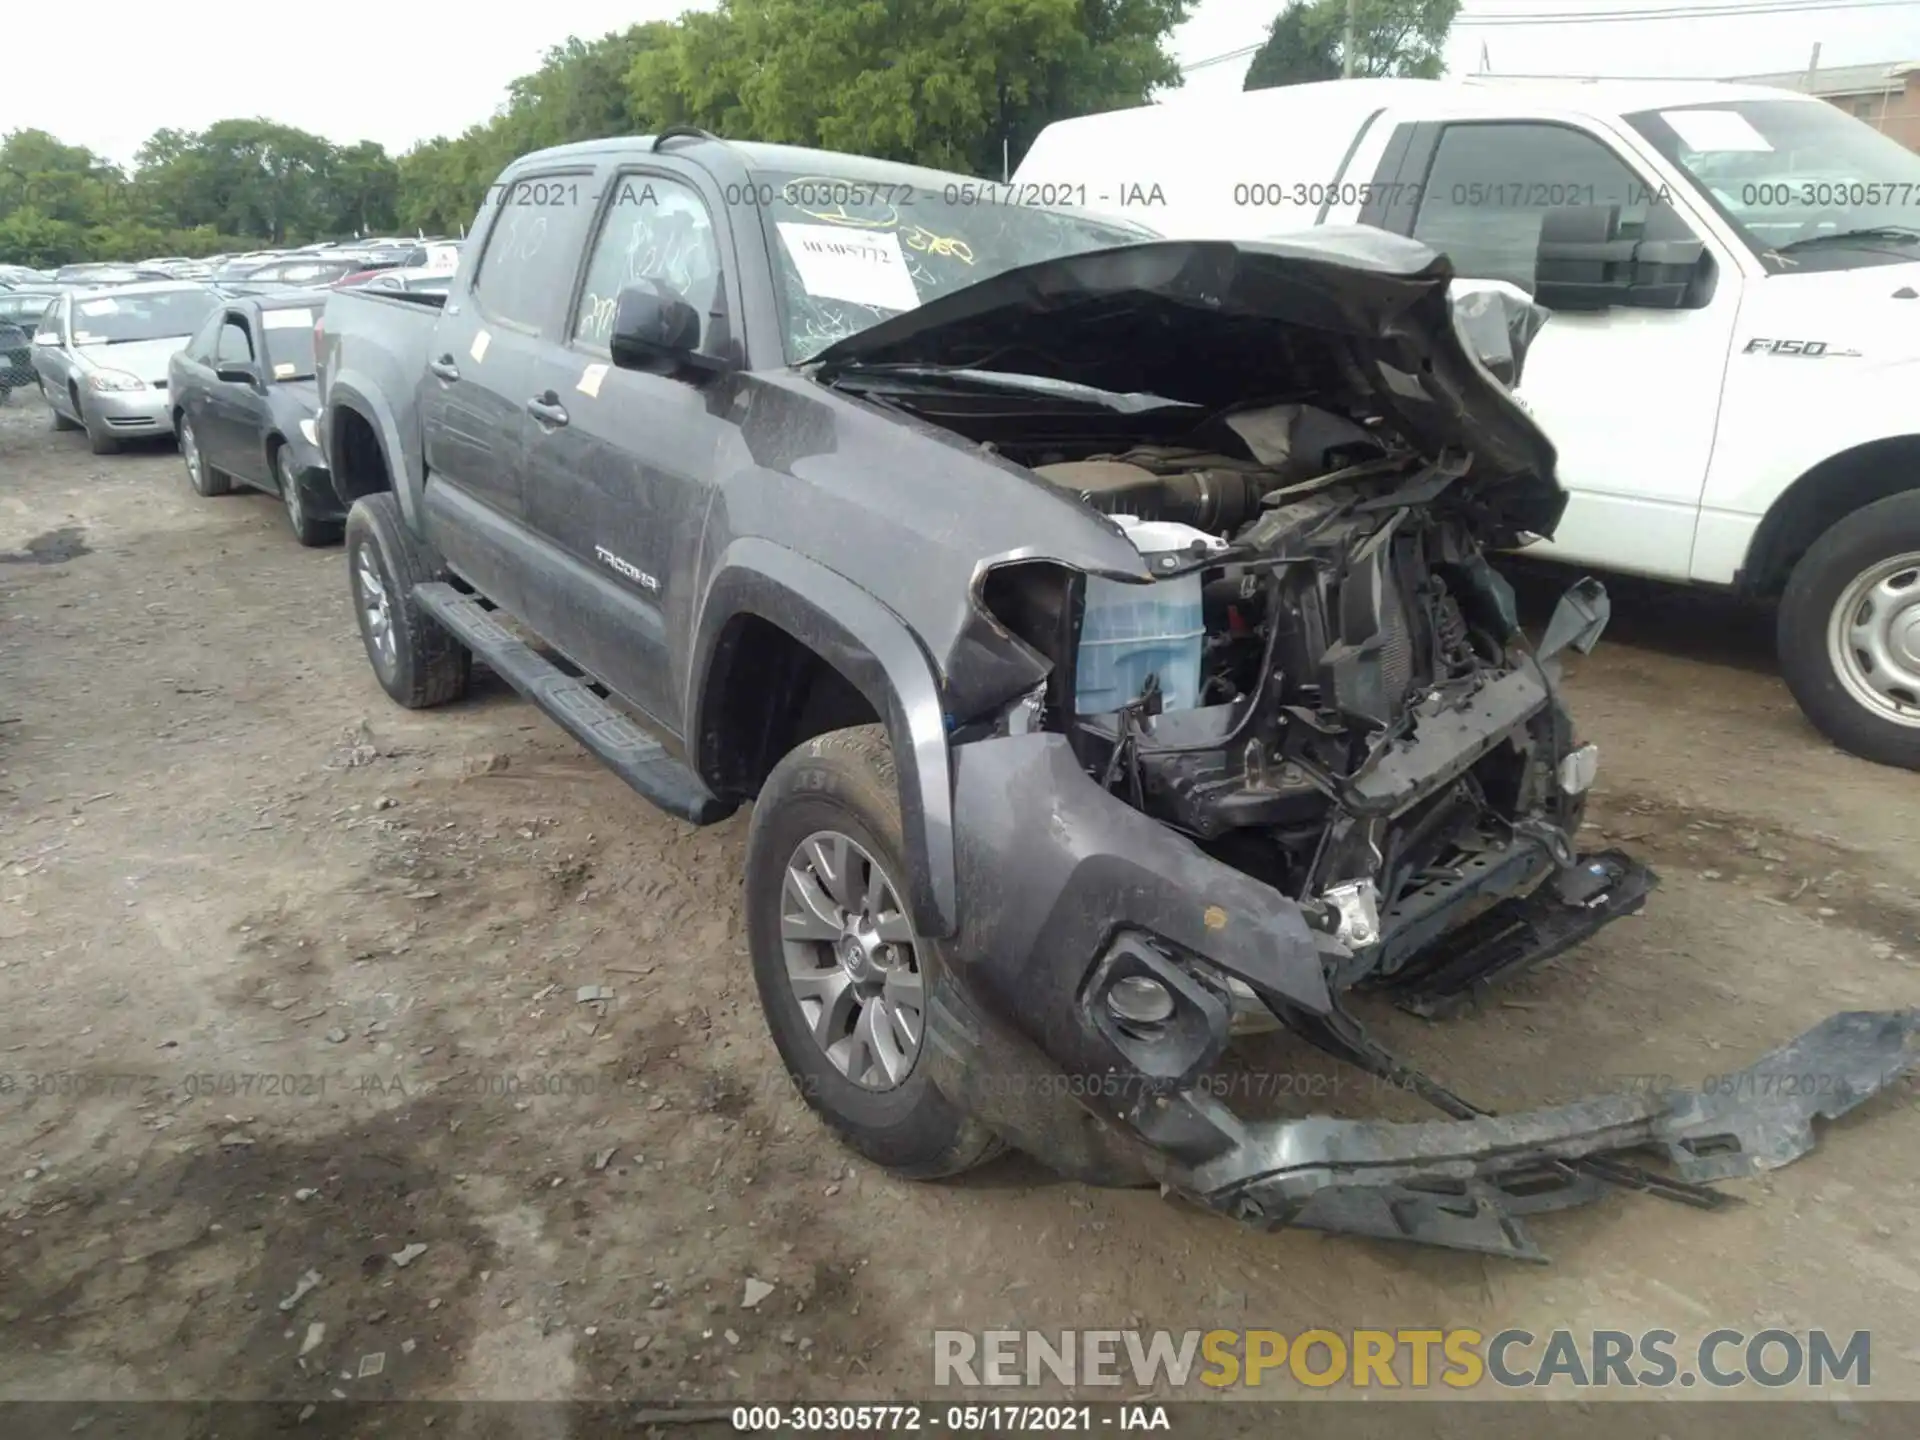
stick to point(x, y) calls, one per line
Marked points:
point(1886, 96)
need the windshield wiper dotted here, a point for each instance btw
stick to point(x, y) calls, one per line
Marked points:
point(1899, 233)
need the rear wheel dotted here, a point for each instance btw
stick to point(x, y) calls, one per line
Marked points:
point(308, 528)
point(203, 477)
point(1849, 632)
point(416, 660)
point(843, 978)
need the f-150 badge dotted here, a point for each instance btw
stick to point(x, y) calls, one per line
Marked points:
point(1810, 349)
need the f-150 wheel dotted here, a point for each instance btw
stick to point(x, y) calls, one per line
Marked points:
point(842, 976)
point(1849, 633)
point(417, 662)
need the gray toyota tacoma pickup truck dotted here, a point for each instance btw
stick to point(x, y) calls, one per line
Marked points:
point(1101, 628)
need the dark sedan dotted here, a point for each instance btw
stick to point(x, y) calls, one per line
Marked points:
point(244, 403)
point(16, 358)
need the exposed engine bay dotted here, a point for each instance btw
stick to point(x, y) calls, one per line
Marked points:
point(1303, 747)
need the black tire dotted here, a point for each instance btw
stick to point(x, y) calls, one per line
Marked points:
point(59, 421)
point(426, 666)
point(99, 440)
point(1870, 537)
point(207, 481)
point(308, 528)
point(844, 781)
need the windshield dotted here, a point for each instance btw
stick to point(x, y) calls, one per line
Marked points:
point(1783, 171)
point(289, 340)
point(119, 319)
point(850, 253)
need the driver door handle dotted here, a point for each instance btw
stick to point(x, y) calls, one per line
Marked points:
point(547, 409)
point(444, 368)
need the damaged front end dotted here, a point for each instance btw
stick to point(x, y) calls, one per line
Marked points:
point(1307, 749)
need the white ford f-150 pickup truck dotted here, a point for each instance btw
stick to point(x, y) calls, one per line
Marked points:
point(1735, 275)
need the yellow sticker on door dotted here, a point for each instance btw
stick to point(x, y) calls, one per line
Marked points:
point(590, 380)
point(478, 350)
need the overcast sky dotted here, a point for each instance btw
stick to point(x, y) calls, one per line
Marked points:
point(417, 70)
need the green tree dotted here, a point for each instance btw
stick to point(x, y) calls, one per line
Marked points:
point(361, 190)
point(580, 92)
point(953, 83)
point(1307, 41)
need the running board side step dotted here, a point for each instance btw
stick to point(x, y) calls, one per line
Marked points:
point(576, 705)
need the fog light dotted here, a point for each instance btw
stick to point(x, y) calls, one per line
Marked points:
point(1140, 1000)
point(1578, 768)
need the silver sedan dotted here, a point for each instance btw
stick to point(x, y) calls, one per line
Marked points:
point(101, 357)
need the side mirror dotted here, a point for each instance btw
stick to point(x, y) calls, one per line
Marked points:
point(46, 337)
point(1584, 263)
point(654, 328)
point(238, 375)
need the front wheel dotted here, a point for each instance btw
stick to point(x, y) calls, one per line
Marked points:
point(1849, 632)
point(843, 978)
point(203, 477)
point(100, 440)
point(417, 661)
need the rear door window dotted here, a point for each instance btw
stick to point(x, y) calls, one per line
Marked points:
point(533, 248)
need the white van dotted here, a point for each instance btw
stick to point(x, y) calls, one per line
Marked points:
point(1730, 373)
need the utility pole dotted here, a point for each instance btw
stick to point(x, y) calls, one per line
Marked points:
point(1813, 67)
point(1346, 45)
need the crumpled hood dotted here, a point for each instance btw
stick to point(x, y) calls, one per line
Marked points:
point(1348, 317)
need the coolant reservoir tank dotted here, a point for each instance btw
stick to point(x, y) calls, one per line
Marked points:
point(1130, 632)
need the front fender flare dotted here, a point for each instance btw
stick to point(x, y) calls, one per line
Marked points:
point(873, 648)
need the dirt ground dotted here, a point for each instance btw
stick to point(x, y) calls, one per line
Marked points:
point(289, 980)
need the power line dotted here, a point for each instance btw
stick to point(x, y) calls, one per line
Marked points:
point(1679, 12)
point(1633, 15)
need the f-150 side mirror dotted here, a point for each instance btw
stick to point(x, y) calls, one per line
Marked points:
point(654, 328)
point(1585, 263)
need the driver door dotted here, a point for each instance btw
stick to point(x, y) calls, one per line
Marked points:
point(1629, 396)
point(229, 435)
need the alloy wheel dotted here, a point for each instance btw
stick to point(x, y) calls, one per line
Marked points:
point(853, 960)
point(376, 606)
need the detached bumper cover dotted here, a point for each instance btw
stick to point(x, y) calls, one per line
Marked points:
point(1070, 893)
point(1469, 1183)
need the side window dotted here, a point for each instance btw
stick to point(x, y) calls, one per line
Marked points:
point(1491, 183)
point(235, 346)
point(201, 346)
point(532, 247)
point(654, 229)
point(53, 321)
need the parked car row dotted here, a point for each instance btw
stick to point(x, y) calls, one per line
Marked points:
point(231, 376)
